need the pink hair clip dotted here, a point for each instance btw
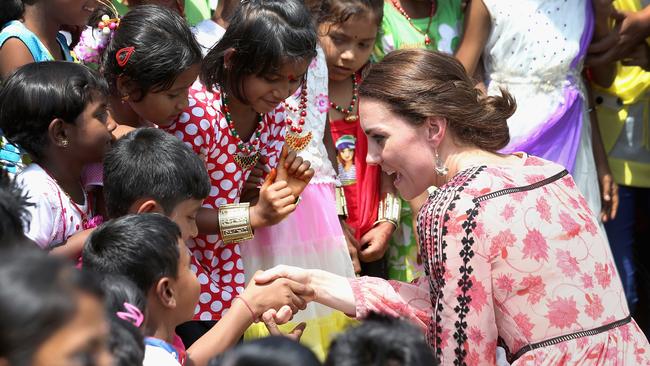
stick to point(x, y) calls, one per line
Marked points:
point(132, 314)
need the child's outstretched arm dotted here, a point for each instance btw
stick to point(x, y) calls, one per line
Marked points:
point(249, 307)
point(72, 247)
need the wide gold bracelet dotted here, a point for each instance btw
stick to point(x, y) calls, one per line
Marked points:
point(341, 203)
point(390, 209)
point(235, 222)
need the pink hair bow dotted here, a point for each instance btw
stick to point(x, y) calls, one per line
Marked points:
point(132, 314)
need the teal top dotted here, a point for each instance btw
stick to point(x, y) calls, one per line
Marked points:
point(16, 29)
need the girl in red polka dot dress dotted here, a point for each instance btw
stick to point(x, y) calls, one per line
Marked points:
point(234, 118)
point(155, 84)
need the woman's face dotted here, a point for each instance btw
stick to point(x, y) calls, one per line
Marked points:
point(400, 148)
point(80, 342)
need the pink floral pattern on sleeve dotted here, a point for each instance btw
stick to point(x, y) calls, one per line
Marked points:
point(202, 126)
point(535, 271)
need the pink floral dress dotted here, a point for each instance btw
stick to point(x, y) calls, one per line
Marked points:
point(203, 126)
point(514, 257)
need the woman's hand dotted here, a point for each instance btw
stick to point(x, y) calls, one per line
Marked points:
point(277, 293)
point(329, 289)
point(374, 243)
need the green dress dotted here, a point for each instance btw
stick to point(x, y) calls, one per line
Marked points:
point(196, 11)
point(397, 33)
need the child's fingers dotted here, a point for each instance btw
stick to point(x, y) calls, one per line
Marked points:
point(270, 179)
point(270, 323)
point(294, 166)
point(307, 175)
point(279, 186)
point(283, 155)
point(302, 169)
point(297, 332)
point(289, 159)
point(283, 315)
point(284, 202)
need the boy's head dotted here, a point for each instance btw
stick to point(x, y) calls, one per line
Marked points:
point(147, 249)
point(381, 340)
point(149, 170)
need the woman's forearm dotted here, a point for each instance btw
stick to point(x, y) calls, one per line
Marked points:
point(333, 290)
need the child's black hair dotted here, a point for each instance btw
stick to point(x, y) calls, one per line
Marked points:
point(142, 247)
point(126, 340)
point(269, 351)
point(264, 34)
point(339, 11)
point(37, 298)
point(163, 48)
point(37, 93)
point(13, 212)
point(150, 163)
point(10, 10)
point(381, 340)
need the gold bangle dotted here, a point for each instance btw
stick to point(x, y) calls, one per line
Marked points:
point(235, 222)
point(389, 210)
point(341, 203)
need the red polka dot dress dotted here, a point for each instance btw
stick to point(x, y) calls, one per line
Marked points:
point(203, 127)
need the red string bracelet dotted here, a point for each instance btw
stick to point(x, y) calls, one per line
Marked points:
point(249, 308)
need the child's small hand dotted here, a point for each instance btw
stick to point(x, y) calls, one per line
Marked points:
point(278, 293)
point(272, 319)
point(294, 170)
point(276, 201)
point(255, 179)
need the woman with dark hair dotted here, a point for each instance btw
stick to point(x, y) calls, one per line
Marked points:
point(512, 253)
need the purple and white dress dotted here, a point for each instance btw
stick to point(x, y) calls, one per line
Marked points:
point(535, 51)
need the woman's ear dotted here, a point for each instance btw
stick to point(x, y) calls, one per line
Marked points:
point(227, 57)
point(436, 129)
point(166, 293)
point(58, 133)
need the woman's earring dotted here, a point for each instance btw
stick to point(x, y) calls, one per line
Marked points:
point(64, 143)
point(125, 98)
point(440, 167)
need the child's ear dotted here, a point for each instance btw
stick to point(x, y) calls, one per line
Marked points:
point(227, 57)
point(58, 132)
point(146, 205)
point(125, 87)
point(166, 293)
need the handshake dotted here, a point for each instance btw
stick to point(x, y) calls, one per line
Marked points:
point(275, 295)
